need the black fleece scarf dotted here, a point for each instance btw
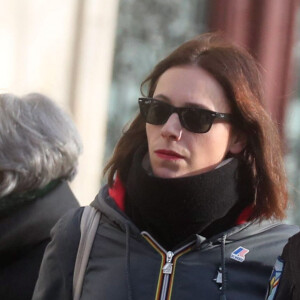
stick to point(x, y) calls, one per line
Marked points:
point(173, 209)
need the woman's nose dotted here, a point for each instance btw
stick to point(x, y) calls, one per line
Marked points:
point(172, 129)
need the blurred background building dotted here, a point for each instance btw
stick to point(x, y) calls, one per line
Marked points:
point(91, 56)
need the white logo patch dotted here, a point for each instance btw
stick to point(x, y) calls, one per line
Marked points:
point(239, 254)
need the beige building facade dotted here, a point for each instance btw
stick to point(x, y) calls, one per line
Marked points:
point(63, 49)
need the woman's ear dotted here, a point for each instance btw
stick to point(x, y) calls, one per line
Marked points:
point(238, 142)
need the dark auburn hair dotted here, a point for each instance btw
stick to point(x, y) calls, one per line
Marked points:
point(239, 75)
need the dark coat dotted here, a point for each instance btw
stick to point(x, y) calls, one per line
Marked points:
point(288, 286)
point(24, 234)
point(127, 264)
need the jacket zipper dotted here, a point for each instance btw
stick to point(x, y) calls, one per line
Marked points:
point(167, 269)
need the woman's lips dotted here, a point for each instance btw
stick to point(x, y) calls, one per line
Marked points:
point(168, 154)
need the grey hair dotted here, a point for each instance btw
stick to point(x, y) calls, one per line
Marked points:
point(38, 143)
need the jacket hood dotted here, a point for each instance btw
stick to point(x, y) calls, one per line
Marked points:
point(108, 207)
point(31, 223)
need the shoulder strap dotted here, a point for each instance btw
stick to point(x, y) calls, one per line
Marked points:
point(88, 227)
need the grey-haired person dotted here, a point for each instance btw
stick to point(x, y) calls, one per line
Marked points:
point(39, 149)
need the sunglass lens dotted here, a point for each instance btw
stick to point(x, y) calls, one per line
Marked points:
point(196, 120)
point(155, 112)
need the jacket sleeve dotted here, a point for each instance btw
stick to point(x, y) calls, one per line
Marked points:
point(283, 287)
point(56, 273)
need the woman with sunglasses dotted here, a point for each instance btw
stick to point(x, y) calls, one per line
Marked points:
point(196, 187)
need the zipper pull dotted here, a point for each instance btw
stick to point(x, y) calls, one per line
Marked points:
point(168, 267)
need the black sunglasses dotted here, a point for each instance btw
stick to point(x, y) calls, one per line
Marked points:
point(193, 119)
